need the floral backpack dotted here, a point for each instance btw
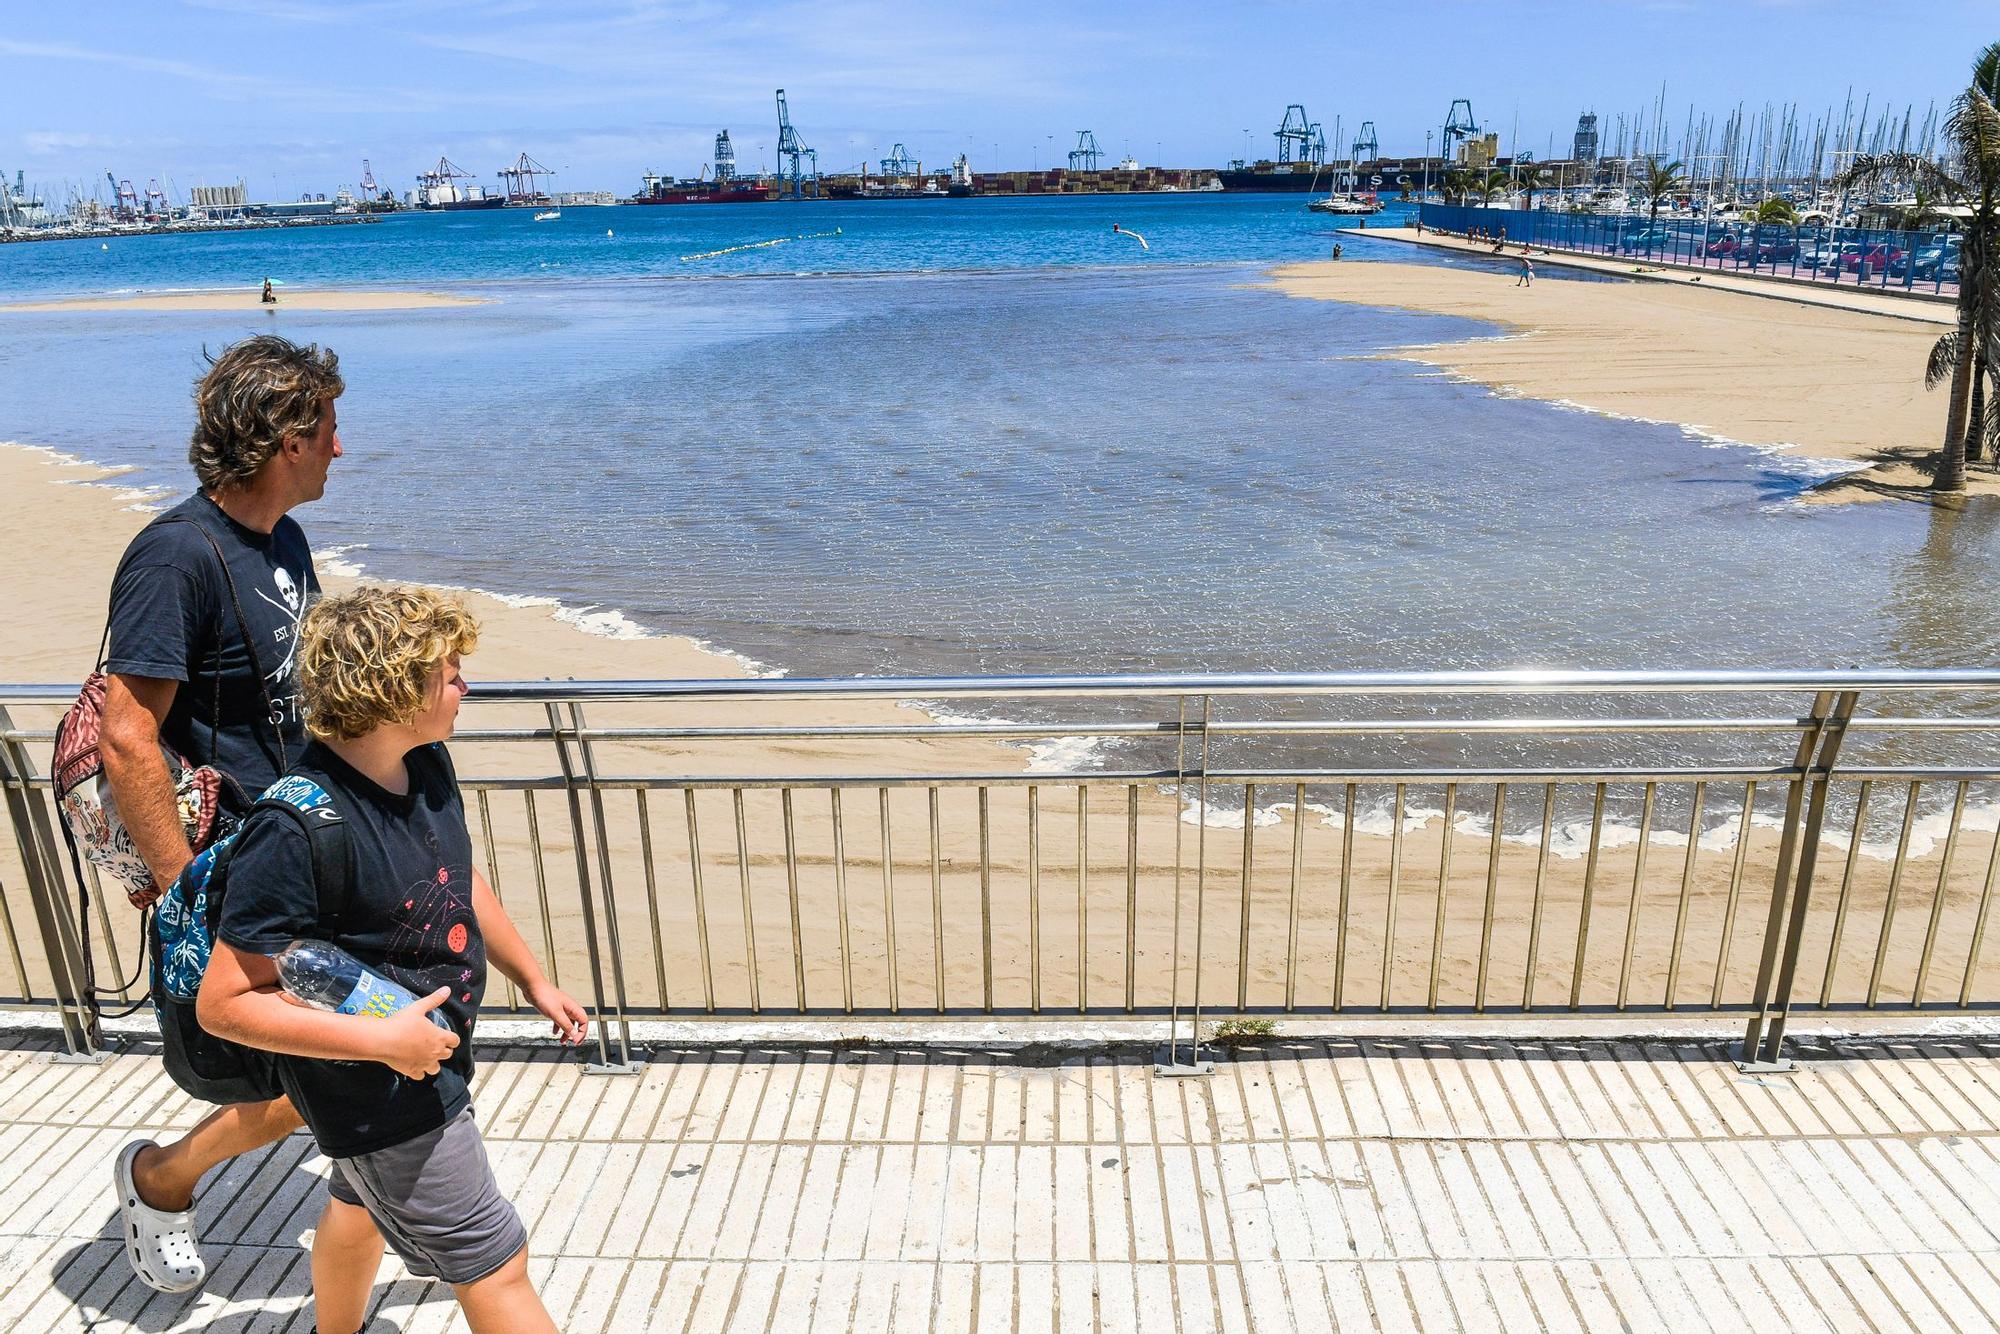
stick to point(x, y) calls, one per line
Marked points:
point(95, 831)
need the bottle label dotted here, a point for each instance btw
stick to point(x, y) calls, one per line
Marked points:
point(373, 998)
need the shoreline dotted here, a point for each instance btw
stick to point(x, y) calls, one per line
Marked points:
point(249, 298)
point(1829, 385)
point(533, 636)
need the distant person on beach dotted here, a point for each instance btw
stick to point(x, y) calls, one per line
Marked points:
point(1336, 250)
point(270, 297)
point(1527, 278)
point(203, 634)
point(387, 1096)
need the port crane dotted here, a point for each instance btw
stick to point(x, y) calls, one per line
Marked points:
point(1296, 135)
point(899, 165)
point(791, 147)
point(520, 180)
point(125, 204)
point(1084, 157)
point(1457, 127)
point(1364, 148)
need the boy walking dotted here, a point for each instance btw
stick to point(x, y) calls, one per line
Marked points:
point(1527, 278)
point(387, 1100)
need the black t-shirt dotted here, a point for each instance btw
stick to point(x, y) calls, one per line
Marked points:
point(408, 914)
point(171, 613)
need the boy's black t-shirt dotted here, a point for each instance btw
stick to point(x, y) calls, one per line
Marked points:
point(409, 915)
point(170, 611)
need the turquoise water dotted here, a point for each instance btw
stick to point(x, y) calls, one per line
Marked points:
point(1026, 458)
point(648, 242)
point(1001, 441)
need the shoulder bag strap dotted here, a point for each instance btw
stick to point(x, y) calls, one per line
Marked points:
point(256, 663)
point(332, 854)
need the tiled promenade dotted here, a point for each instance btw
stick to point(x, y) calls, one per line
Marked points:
point(1482, 1184)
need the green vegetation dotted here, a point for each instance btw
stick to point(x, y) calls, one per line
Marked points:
point(1662, 182)
point(1773, 210)
point(1968, 356)
point(1243, 1029)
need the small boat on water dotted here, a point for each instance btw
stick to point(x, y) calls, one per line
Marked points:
point(549, 215)
point(1350, 204)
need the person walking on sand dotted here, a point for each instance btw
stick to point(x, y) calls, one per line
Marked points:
point(270, 297)
point(1527, 278)
point(203, 634)
point(388, 1098)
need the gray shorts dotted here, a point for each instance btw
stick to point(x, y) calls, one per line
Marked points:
point(435, 1200)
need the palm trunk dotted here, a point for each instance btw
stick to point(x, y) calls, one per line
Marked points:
point(1950, 475)
point(1975, 430)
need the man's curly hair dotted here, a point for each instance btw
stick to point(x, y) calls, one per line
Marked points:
point(366, 658)
point(253, 396)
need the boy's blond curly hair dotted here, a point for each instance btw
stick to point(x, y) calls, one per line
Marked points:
point(366, 657)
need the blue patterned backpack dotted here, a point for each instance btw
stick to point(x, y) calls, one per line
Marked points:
point(185, 918)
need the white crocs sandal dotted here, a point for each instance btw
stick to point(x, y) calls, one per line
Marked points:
point(160, 1245)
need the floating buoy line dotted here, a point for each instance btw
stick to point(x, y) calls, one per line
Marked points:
point(759, 245)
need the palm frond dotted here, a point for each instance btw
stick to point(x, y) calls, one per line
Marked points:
point(1943, 360)
point(1873, 169)
point(1974, 130)
point(1986, 72)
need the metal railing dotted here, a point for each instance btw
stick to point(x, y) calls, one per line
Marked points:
point(1192, 847)
point(1924, 262)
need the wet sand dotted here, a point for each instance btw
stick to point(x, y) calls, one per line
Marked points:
point(1810, 380)
point(786, 897)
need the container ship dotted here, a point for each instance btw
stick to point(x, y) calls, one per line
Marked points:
point(440, 191)
point(725, 187)
point(1389, 178)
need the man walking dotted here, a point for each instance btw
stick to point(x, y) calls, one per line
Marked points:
point(205, 611)
point(1527, 278)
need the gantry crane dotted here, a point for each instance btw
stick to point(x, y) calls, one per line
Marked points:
point(519, 180)
point(1295, 135)
point(1457, 127)
point(1084, 157)
point(1365, 149)
point(791, 147)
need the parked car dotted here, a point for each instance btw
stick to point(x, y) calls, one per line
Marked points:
point(1926, 263)
point(1819, 255)
point(1649, 240)
point(1719, 247)
point(1877, 255)
point(1776, 249)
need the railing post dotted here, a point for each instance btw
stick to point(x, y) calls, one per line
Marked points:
point(573, 787)
point(48, 894)
point(1175, 1059)
point(1818, 749)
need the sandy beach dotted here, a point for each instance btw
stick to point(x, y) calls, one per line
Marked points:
point(1809, 380)
point(1070, 892)
point(251, 298)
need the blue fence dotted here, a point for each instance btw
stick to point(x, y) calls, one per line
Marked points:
point(1916, 261)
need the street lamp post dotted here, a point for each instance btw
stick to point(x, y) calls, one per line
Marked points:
point(1427, 168)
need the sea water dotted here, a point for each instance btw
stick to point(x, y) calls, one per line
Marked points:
point(1050, 452)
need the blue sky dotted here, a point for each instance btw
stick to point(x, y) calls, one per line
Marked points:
point(292, 94)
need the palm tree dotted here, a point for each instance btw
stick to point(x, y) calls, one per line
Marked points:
point(1662, 182)
point(1775, 210)
point(1491, 184)
point(1530, 180)
point(1970, 353)
point(1455, 185)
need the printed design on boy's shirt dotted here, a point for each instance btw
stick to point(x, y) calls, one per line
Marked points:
point(433, 931)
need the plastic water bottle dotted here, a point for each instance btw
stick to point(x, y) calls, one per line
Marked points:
point(327, 977)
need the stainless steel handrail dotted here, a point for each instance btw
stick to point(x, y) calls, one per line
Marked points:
point(805, 900)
